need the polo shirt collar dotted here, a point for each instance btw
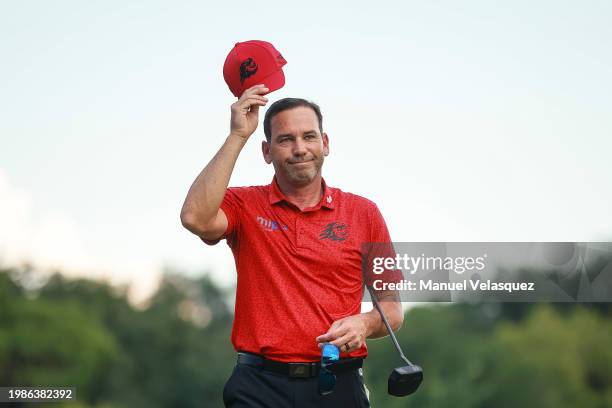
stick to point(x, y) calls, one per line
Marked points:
point(276, 195)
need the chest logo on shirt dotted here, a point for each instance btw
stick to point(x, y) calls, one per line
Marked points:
point(334, 231)
point(270, 225)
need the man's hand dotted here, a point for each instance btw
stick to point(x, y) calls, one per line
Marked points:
point(347, 334)
point(245, 111)
point(353, 330)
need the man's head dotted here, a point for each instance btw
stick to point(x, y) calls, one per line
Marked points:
point(295, 142)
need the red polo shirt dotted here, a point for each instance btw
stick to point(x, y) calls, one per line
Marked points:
point(298, 271)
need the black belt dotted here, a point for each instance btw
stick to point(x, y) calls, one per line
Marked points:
point(297, 370)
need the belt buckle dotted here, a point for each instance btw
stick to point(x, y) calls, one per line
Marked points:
point(299, 370)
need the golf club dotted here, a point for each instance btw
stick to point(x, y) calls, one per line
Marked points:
point(406, 379)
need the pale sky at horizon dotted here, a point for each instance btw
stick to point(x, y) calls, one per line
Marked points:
point(463, 122)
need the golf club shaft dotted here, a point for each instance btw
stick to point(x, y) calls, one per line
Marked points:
point(384, 319)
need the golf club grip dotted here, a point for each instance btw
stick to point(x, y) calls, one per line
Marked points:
point(388, 326)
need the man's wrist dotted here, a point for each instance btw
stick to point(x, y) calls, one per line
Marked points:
point(372, 322)
point(233, 137)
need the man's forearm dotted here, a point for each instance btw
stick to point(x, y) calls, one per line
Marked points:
point(207, 191)
point(394, 314)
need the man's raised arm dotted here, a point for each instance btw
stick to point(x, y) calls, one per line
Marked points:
point(201, 212)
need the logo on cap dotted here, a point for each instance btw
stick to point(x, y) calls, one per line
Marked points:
point(247, 68)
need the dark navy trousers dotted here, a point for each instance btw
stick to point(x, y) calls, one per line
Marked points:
point(253, 387)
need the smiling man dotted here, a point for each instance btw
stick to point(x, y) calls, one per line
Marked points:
point(297, 246)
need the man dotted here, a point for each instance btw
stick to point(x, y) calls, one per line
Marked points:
point(297, 247)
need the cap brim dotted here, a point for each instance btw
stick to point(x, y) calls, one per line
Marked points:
point(274, 81)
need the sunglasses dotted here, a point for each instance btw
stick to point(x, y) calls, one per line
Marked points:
point(327, 379)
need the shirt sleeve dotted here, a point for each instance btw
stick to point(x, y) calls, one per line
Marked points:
point(231, 204)
point(377, 250)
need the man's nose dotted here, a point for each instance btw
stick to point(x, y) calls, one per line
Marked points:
point(299, 147)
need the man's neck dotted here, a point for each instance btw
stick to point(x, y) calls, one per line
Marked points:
point(302, 196)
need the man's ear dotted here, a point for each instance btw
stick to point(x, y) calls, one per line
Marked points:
point(265, 149)
point(325, 144)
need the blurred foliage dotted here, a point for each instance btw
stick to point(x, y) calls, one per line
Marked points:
point(474, 357)
point(81, 333)
point(176, 352)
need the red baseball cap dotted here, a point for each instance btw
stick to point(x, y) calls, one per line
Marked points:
point(253, 62)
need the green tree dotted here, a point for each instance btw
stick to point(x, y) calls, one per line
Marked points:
point(554, 361)
point(51, 342)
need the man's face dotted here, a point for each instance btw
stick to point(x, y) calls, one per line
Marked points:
point(297, 148)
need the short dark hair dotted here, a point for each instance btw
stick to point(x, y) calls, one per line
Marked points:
point(286, 104)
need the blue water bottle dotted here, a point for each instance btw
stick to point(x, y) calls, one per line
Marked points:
point(330, 353)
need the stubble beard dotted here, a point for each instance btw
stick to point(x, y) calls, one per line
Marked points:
point(300, 176)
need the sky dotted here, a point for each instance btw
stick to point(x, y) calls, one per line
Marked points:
point(463, 121)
